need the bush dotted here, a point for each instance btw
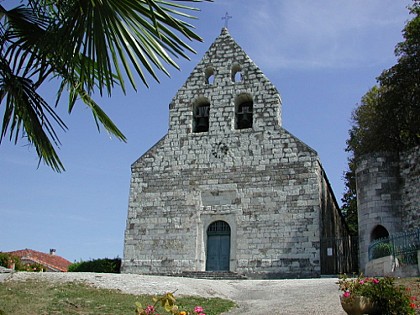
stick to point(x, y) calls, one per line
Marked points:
point(391, 299)
point(11, 262)
point(104, 265)
point(5, 260)
point(394, 299)
point(381, 250)
point(14, 262)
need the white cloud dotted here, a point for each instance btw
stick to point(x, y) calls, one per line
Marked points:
point(322, 34)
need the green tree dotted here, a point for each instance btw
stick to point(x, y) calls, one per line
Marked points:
point(369, 132)
point(349, 207)
point(400, 97)
point(89, 46)
point(388, 116)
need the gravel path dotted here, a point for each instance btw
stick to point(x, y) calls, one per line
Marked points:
point(297, 296)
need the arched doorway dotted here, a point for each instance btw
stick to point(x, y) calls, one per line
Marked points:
point(218, 246)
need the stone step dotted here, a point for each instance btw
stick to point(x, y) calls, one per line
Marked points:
point(213, 275)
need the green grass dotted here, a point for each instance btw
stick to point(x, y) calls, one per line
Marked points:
point(33, 297)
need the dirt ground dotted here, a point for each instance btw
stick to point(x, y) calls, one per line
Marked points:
point(297, 296)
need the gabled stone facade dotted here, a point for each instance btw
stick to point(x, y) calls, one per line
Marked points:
point(227, 188)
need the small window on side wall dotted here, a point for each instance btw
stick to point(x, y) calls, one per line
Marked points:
point(236, 72)
point(209, 75)
point(201, 116)
point(244, 112)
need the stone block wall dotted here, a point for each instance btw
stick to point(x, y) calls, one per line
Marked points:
point(410, 188)
point(388, 195)
point(336, 247)
point(270, 202)
point(378, 198)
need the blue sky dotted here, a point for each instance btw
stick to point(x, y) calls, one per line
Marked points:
point(322, 56)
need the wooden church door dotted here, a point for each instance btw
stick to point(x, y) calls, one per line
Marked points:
point(218, 246)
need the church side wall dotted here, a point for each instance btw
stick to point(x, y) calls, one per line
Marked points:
point(335, 242)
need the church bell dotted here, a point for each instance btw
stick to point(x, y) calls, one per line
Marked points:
point(202, 119)
point(244, 117)
point(202, 124)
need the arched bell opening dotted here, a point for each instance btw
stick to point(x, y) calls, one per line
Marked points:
point(201, 110)
point(244, 111)
point(218, 246)
point(209, 75)
point(236, 72)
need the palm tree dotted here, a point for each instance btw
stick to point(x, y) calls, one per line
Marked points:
point(89, 46)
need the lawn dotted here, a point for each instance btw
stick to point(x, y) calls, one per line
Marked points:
point(34, 297)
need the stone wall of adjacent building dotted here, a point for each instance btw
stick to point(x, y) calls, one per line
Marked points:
point(410, 188)
point(388, 195)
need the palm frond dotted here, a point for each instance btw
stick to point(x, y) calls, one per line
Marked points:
point(28, 114)
point(91, 46)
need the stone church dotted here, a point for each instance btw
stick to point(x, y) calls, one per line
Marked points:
point(228, 188)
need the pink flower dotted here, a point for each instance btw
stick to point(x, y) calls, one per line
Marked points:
point(198, 309)
point(150, 309)
point(346, 294)
point(361, 281)
point(375, 281)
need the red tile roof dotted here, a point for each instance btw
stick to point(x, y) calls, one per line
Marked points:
point(51, 262)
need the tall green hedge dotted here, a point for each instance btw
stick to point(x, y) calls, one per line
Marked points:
point(104, 265)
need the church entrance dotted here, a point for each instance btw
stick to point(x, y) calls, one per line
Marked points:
point(218, 246)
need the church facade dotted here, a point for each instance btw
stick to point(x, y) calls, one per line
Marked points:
point(227, 188)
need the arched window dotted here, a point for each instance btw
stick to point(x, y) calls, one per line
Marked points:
point(236, 72)
point(201, 111)
point(244, 111)
point(378, 232)
point(209, 75)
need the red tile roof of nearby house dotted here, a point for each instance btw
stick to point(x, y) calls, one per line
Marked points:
point(50, 261)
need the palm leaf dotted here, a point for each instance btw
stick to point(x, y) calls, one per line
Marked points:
point(90, 46)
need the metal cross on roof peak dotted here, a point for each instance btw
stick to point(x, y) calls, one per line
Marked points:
point(226, 18)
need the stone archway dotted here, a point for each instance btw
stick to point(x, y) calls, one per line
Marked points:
point(218, 246)
point(378, 232)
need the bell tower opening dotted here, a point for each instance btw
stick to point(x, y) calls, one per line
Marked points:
point(236, 72)
point(201, 111)
point(244, 110)
point(209, 75)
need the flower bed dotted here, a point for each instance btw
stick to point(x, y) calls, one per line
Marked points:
point(388, 297)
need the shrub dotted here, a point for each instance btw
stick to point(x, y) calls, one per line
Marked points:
point(381, 250)
point(166, 303)
point(14, 262)
point(391, 299)
point(104, 265)
point(9, 261)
